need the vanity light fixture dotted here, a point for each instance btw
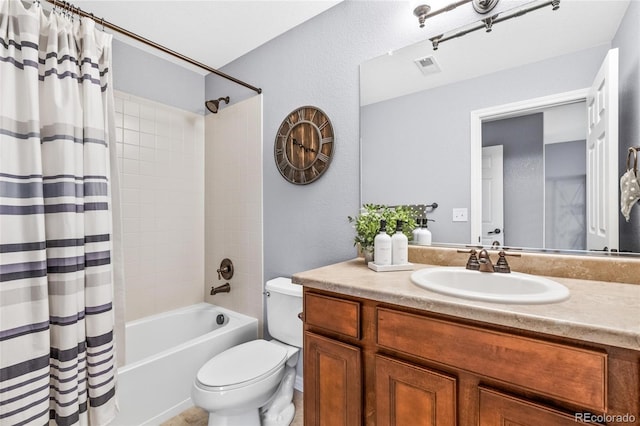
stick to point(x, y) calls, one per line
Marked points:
point(485, 6)
point(423, 11)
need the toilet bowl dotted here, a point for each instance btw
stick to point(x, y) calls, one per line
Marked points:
point(234, 385)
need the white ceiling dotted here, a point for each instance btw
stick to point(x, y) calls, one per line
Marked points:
point(213, 32)
point(538, 35)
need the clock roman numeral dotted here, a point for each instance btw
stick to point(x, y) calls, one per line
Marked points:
point(301, 114)
point(291, 173)
point(302, 177)
point(283, 163)
point(323, 125)
point(322, 157)
point(326, 140)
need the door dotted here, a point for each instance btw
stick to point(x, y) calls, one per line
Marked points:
point(412, 395)
point(602, 157)
point(332, 382)
point(492, 195)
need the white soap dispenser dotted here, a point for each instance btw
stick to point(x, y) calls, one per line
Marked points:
point(382, 246)
point(399, 246)
point(416, 230)
point(424, 235)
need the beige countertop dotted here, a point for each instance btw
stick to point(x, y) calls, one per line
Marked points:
point(599, 312)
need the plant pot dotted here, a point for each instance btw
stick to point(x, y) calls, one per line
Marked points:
point(368, 254)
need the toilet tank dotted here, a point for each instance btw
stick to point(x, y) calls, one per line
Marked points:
point(284, 303)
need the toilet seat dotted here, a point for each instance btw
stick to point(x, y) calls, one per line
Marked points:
point(241, 365)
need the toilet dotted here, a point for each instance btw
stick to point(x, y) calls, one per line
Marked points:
point(252, 383)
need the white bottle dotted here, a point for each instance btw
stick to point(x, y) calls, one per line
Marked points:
point(399, 246)
point(424, 235)
point(382, 246)
point(416, 230)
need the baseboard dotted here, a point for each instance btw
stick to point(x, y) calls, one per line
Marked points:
point(298, 385)
point(168, 414)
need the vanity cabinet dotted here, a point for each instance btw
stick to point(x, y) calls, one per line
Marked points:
point(372, 363)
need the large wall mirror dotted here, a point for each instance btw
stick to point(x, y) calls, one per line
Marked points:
point(432, 122)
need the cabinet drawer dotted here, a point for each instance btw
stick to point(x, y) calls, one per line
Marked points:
point(566, 373)
point(339, 316)
point(497, 408)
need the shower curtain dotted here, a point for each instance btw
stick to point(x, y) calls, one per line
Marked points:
point(57, 354)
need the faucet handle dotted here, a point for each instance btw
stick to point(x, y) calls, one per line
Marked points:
point(225, 270)
point(472, 262)
point(502, 265)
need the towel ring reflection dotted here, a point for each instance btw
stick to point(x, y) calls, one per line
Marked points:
point(633, 151)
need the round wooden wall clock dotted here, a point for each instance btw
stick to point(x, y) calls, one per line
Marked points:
point(304, 145)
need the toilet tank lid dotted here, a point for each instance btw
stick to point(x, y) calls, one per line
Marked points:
point(284, 286)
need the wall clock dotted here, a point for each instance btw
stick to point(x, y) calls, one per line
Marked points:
point(304, 145)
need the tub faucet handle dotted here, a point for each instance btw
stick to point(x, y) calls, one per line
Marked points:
point(225, 270)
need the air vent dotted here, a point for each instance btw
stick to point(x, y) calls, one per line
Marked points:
point(427, 65)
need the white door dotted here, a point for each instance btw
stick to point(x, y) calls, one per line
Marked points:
point(492, 195)
point(602, 157)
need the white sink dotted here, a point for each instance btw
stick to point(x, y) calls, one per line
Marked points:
point(495, 287)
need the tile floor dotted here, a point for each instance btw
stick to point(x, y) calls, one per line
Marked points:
point(195, 416)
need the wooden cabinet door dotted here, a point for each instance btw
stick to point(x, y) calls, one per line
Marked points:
point(411, 395)
point(498, 409)
point(332, 382)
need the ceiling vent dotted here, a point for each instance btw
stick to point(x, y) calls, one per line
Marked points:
point(427, 65)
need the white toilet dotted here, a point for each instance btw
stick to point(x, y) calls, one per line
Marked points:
point(252, 383)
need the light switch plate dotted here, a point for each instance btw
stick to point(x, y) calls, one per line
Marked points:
point(460, 214)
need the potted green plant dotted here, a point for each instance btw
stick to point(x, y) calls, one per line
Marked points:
point(367, 225)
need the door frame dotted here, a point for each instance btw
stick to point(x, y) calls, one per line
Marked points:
point(498, 112)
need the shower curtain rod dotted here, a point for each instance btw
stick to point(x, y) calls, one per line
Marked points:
point(107, 24)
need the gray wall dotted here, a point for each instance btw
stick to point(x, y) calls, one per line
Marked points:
point(142, 74)
point(316, 63)
point(627, 40)
point(427, 133)
point(523, 173)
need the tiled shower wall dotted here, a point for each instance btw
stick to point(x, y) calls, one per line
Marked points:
point(233, 209)
point(161, 167)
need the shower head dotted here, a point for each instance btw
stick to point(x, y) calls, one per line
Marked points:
point(213, 106)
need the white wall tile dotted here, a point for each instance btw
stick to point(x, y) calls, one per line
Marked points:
point(163, 206)
point(233, 205)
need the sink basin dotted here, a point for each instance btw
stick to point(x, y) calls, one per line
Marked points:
point(495, 287)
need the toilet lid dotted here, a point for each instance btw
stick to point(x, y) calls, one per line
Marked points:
point(242, 364)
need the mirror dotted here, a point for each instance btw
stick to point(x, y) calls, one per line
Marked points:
point(417, 108)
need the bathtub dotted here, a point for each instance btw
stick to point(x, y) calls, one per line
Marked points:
point(163, 355)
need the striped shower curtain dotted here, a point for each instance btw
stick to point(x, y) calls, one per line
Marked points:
point(57, 355)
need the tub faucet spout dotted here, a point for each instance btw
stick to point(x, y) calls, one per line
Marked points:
point(225, 288)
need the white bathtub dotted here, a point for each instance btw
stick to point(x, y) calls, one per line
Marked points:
point(163, 355)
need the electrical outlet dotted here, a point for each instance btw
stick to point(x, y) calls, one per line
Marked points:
point(460, 214)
